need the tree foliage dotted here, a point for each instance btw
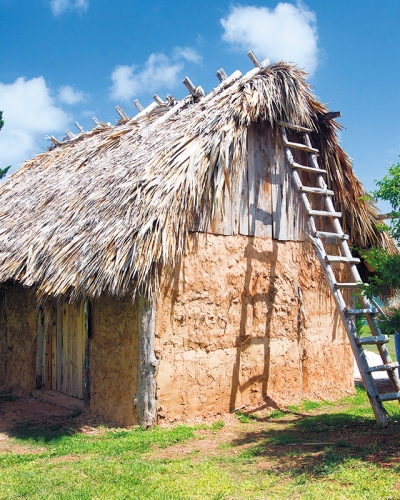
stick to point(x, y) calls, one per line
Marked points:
point(385, 280)
point(3, 171)
point(389, 190)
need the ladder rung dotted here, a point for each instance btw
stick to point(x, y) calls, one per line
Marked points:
point(315, 190)
point(349, 285)
point(374, 340)
point(298, 145)
point(360, 311)
point(324, 213)
point(389, 396)
point(382, 368)
point(295, 127)
point(308, 169)
point(337, 236)
point(341, 258)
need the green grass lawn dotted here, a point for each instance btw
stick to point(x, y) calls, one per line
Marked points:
point(309, 451)
point(366, 332)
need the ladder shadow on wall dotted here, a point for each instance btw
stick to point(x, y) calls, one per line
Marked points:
point(244, 340)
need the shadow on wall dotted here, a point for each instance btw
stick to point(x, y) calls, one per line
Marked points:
point(244, 340)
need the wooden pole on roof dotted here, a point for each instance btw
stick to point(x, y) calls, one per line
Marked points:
point(195, 91)
point(159, 101)
point(256, 62)
point(55, 141)
point(79, 127)
point(121, 113)
point(221, 75)
point(139, 107)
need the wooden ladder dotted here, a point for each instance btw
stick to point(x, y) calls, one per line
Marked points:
point(347, 313)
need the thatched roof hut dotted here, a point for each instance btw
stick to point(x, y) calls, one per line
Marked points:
point(112, 212)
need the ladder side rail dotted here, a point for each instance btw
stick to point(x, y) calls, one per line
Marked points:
point(345, 247)
point(369, 384)
point(349, 322)
point(297, 182)
point(372, 323)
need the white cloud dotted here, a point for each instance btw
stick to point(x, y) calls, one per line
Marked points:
point(287, 33)
point(58, 7)
point(158, 71)
point(29, 114)
point(68, 95)
point(187, 53)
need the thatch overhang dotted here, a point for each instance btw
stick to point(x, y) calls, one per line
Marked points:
point(103, 212)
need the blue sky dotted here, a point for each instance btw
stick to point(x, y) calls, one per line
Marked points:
point(67, 60)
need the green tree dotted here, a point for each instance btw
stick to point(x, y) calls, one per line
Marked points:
point(385, 280)
point(3, 171)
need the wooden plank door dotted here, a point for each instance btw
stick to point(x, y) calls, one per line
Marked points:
point(70, 344)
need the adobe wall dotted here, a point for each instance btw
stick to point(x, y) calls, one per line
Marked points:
point(248, 321)
point(114, 359)
point(113, 351)
point(18, 327)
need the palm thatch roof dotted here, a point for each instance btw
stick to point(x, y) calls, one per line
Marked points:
point(104, 211)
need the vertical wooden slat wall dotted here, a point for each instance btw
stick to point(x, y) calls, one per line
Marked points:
point(65, 344)
point(264, 204)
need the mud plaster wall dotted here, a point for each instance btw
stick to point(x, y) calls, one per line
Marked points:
point(248, 320)
point(114, 359)
point(18, 326)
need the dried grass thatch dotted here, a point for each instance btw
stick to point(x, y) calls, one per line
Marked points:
point(103, 212)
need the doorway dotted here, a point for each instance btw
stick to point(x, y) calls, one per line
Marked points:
point(62, 349)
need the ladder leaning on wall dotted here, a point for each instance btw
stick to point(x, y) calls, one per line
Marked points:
point(347, 313)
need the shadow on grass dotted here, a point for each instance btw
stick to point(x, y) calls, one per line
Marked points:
point(45, 432)
point(319, 444)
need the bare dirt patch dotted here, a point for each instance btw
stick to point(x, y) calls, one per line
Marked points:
point(26, 416)
point(22, 410)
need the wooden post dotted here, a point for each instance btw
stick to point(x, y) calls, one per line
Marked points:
point(146, 399)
